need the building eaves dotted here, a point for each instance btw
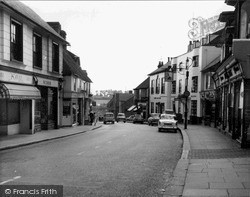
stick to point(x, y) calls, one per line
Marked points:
point(143, 85)
point(29, 14)
point(70, 67)
point(161, 69)
point(212, 66)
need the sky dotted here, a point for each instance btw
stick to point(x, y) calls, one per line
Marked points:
point(120, 42)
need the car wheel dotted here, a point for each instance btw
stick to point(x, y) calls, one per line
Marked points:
point(104, 122)
point(159, 130)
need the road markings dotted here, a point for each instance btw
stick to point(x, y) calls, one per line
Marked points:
point(80, 153)
point(16, 177)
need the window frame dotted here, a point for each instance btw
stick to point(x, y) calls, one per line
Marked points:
point(55, 57)
point(37, 50)
point(194, 88)
point(16, 40)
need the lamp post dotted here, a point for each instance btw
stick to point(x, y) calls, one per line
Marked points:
point(186, 93)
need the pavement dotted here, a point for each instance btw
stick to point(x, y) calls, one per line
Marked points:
point(14, 141)
point(211, 164)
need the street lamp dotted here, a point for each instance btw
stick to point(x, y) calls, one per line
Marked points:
point(186, 93)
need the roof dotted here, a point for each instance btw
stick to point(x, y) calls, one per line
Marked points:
point(212, 66)
point(125, 96)
point(160, 69)
point(71, 67)
point(143, 85)
point(28, 13)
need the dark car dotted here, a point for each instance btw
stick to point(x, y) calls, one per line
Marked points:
point(109, 117)
point(138, 119)
point(153, 119)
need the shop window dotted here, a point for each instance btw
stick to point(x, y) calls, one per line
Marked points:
point(13, 112)
point(52, 104)
point(3, 112)
point(66, 108)
point(173, 87)
point(37, 111)
point(55, 57)
point(152, 107)
point(37, 50)
point(194, 108)
point(16, 41)
point(194, 84)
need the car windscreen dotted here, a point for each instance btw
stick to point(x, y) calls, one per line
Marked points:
point(109, 115)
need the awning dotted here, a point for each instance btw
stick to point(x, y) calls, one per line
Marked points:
point(18, 92)
point(131, 108)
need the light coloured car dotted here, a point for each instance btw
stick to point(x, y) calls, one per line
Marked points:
point(153, 119)
point(130, 118)
point(121, 117)
point(109, 117)
point(167, 122)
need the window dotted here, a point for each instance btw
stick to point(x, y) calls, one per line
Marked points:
point(16, 41)
point(162, 86)
point(194, 108)
point(245, 20)
point(152, 86)
point(173, 87)
point(157, 89)
point(152, 107)
point(194, 84)
point(180, 86)
point(37, 50)
point(55, 57)
point(195, 61)
point(74, 84)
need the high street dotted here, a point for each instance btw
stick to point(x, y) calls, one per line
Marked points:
point(123, 159)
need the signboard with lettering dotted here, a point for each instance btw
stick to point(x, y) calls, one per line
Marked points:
point(47, 82)
point(201, 27)
point(15, 77)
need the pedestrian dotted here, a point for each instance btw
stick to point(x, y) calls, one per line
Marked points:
point(95, 119)
point(91, 116)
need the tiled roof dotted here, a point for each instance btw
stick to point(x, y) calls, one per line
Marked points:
point(27, 12)
point(161, 69)
point(143, 85)
point(71, 67)
point(125, 96)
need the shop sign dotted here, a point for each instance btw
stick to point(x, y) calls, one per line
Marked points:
point(47, 82)
point(15, 77)
point(201, 27)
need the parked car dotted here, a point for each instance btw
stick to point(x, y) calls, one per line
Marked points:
point(138, 119)
point(153, 119)
point(130, 118)
point(109, 117)
point(167, 122)
point(121, 117)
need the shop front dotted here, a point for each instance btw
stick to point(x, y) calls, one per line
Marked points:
point(46, 109)
point(73, 113)
point(17, 103)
